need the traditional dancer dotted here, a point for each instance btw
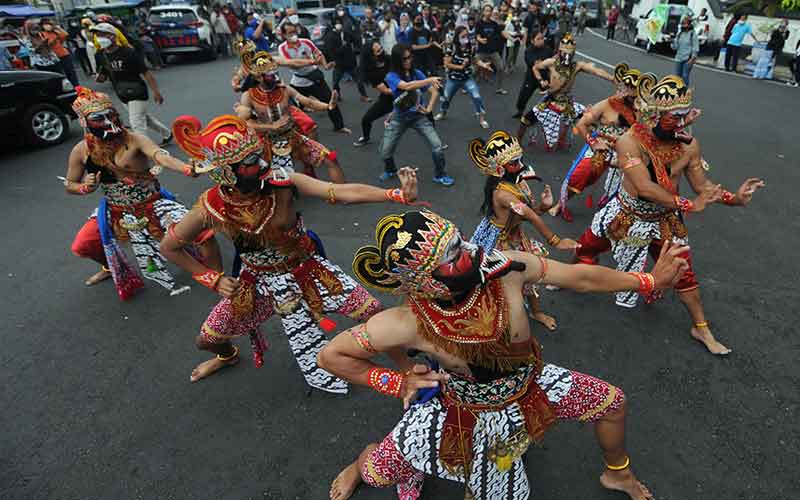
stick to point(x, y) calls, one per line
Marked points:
point(600, 125)
point(266, 109)
point(508, 202)
point(134, 208)
point(282, 271)
point(472, 420)
point(648, 209)
point(558, 111)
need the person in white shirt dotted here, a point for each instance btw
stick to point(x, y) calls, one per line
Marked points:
point(388, 27)
point(515, 32)
point(221, 30)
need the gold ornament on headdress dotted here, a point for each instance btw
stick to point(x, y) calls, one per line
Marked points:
point(256, 62)
point(567, 43)
point(625, 77)
point(501, 149)
point(90, 101)
point(655, 97)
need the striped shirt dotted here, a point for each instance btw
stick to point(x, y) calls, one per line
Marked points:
point(305, 49)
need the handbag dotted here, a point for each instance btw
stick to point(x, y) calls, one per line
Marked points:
point(131, 90)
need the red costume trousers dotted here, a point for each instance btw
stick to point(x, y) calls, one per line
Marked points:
point(87, 243)
point(591, 246)
point(584, 175)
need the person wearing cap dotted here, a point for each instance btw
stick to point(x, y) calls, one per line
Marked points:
point(126, 69)
point(55, 36)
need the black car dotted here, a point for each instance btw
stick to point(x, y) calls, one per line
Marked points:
point(36, 105)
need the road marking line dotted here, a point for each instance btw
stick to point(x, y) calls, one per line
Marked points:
point(665, 58)
point(595, 60)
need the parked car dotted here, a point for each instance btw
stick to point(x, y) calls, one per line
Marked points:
point(317, 22)
point(182, 29)
point(669, 29)
point(36, 105)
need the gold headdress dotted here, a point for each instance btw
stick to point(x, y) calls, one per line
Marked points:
point(655, 97)
point(626, 78)
point(567, 43)
point(90, 101)
point(501, 149)
point(256, 62)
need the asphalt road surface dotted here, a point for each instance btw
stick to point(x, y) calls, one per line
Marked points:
point(96, 399)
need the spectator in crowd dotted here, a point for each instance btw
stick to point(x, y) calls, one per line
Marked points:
point(703, 16)
point(459, 57)
point(91, 49)
point(78, 44)
point(308, 79)
point(342, 46)
point(421, 44)
point(40, 54)
point(234, 25)
point(369, 28)
point(55, 36)
point(611, 21)
point(532, 22)
point(411, 112)
point(795, 66)
point(514, 35)
point(258, 31)
point(124, 66)
point(580, 19)
point(536, 51)
point(374, 66)
point(777, 40)
point(403, 33)
point(221, 30)
point(686, 47)
point(565, 19)
point(490, 41)
point(388, 29)
point(343, 17)
point(292, 17)
point(734, 46)
point(151, 52)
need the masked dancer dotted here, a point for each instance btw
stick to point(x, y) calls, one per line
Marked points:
point(648, 210)
point(508, 202)
point(282, 271)
point(266, 109)
point(558, 111)
point(600, 126)
point(134, 207)
point(472, 419)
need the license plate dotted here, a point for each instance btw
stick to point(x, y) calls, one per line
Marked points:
point(172, 33)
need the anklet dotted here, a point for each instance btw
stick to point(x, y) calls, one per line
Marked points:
point(105, 269)
point(704, 324)
point(228, 358)
point(620, 467)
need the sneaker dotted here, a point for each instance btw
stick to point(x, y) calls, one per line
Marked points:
point(501, 91)
point(385, 176)
point(444, 180)
point(362, 141)
point(484, 123)
point(166, 140)
point(440, 116)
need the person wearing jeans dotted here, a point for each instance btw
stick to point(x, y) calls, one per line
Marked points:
point(459, 57)
point(406, 82)
point(489, 35)
point(375, 66)
point(686, 47)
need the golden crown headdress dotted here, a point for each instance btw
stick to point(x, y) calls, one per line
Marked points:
point(490, 156)
point(625, 77)
point(567, 43)
point(90, 101)
point(655, 97)
point(254, 61)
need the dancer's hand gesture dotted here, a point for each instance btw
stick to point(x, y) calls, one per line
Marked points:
point(707, 197)
point(227, 286)
point(746, 190)
point(408, 183)
point(419, 377)
point(670, 266)
point(91, 181)
point(546, 199)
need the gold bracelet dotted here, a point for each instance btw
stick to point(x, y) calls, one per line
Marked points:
point(553, 240)
point(228, 358)
point(331, 193)
point(620, 467)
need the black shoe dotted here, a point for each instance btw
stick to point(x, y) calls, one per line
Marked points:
point(167, 140)
point(362, 141)
point(518, 114)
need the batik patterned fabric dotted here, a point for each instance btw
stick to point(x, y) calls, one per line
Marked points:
point(281, 292)
point(417, 438)
point(631, 224)
point(140, 213)
point(557, 116)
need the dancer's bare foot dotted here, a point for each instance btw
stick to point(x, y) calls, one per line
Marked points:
point(626, 482)
point(704, 335)
point(97, 277)
point(548, 321)
point(346, 482)
point(211, 366)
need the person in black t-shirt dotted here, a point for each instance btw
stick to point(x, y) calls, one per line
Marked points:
point(421, 44)
point(459, 57)
point(342, 47)
point(126, 69)
point(375, 65)
point(536, 51)
point(490, 36)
